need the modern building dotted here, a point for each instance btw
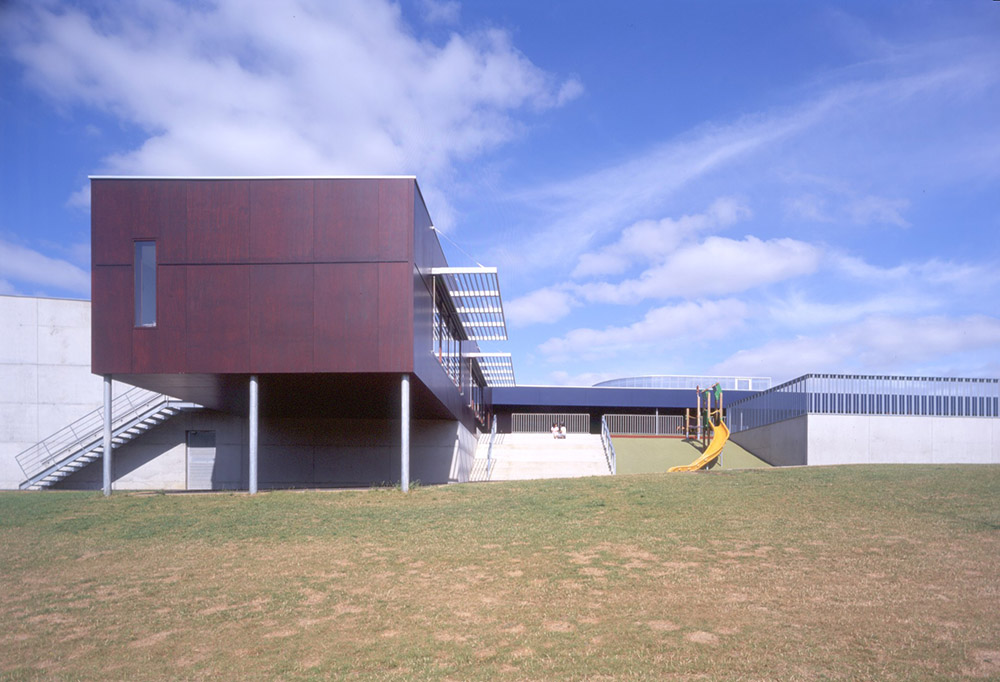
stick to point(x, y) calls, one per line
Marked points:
point(308, 332)
point(315, 322)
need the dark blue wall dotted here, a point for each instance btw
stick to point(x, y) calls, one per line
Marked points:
point(596, 401)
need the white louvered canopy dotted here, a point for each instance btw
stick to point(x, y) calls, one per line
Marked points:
point(497, 368)
point(475, 293)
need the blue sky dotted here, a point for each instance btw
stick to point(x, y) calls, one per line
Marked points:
point(760, 189)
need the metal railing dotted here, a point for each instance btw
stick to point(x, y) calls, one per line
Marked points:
point(644, 424)
point(609, 447)
point(867, 395)
point(686, 381)
point(489, 449)
point(542, 423)
point(68, 439)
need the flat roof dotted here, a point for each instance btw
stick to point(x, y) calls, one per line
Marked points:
point(252, 177)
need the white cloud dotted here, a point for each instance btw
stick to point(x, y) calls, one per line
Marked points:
point(541, 306)
point(878, 210)
point(879, 343)
point(258, 87)
point(21, 265)
point(80, 198)
point(798, 312)
point(653, 240)
point(932, 274)
point(808, 207)
point(441, 11)
point(716, 266)
point(661, 327)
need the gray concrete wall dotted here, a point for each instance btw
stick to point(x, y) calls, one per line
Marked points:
point(877, 439)
point(780, 444)
point(292, 453)
point(45, 379)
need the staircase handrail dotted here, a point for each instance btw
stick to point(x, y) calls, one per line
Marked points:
point(61, 444)
point(489, 449)
point(609, 447)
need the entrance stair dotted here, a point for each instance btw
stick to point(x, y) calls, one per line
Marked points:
point(526, 456)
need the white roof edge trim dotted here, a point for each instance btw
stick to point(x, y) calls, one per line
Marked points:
point(251, 177)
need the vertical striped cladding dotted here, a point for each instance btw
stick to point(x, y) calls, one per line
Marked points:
point(849, 394)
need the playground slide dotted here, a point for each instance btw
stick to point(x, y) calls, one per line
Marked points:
point(713, 450)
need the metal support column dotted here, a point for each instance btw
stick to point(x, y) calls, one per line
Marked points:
point(253, 434)
point(404, 477)
point(106, 455)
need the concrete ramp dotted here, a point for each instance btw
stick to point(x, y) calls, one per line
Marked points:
point(525, 456)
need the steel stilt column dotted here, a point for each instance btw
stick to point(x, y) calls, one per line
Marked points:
point(404, 478)
point(253, 434)
point(106, 455)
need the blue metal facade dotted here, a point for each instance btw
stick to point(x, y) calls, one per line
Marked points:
point(595, 401)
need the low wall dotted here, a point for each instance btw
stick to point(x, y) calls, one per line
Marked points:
point(783, 443)
point(292, 453)
point(877, 439)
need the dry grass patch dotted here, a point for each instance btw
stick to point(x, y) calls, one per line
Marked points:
point(846, 573)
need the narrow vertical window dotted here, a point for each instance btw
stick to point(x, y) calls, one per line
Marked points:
point(145, 284)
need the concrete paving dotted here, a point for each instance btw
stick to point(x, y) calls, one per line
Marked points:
point(522, 456)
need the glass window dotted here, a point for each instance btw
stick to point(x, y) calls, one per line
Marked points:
point(145, 284)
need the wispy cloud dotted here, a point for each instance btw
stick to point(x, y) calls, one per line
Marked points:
point(25, 270)
point(245, 87)
point(661, 327)
point(879, 343)
point(655, 240)
point(716, 266)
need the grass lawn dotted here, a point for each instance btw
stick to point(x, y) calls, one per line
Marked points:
point(656, 455)
point(845, 573)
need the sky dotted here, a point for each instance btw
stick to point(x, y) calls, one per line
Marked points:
point(667, 187)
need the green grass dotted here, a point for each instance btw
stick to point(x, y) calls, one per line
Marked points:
point(876, 572)
point(655, 455)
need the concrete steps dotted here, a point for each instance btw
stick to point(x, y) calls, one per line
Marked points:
point(522, 456)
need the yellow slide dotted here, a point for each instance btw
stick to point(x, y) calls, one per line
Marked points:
point(713, 450)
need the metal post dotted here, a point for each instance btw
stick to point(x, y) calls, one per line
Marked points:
point(404, 476)
point(106, 455)
point(253, 434)
point(697, 392)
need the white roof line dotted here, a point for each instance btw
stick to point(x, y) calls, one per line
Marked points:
point(252, 177)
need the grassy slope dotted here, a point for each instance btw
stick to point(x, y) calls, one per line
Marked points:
point(653, 455)
point(885, 572)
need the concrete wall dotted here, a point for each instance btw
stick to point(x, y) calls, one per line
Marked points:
point(291, 453)
point(45, 379)
point(781, 444)
point(864, 439)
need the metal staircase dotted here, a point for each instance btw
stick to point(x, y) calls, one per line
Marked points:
point(75, 446)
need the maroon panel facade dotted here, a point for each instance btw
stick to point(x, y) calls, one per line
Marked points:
point(347, 215)
point(294, 276)
point(395, 219)
point(281, 221)
point(346, 324)
point(218, 221)
point(281, 318)
point(141, 209)
point(218, 319)
point(395, 316)
point(111, 319)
